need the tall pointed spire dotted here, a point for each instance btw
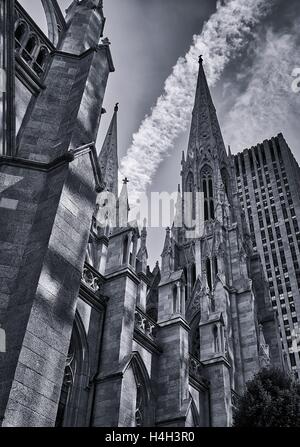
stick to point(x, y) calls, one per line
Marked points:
point(108, 158)
point(205, 135)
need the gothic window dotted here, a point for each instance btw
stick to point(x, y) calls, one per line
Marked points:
point(144, 408)
point(67, 387)
point(30, 46)
point(125, 250)
point(209, 273)
point(75, 379)
point(208, 191)
point(40, 61)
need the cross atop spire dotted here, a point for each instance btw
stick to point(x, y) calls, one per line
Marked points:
point(108, 158)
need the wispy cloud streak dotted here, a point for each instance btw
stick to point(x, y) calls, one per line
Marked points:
point(268, 105)
point(224, 35)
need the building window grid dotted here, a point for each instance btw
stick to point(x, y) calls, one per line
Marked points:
point(285, 305)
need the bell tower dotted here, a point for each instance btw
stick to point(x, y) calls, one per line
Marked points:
point(219, 298)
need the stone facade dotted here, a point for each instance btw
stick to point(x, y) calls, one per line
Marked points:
point(94, 338)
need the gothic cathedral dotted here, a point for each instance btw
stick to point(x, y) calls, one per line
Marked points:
point(94, 337)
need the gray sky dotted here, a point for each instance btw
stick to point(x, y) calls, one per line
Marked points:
point(252, 94)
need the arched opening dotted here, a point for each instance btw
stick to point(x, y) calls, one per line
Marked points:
point(75, 379)
point(40, 61)
point(125, 250)
point(209, 273)
point(20, 34)
point(208, 192)
point(29, 48)
point(31, 44)
point(144, 408)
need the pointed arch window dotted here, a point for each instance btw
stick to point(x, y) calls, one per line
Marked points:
point(75, 379)
point(29, 49)
point(208, 191)
point(41, 60)
point(20, 34)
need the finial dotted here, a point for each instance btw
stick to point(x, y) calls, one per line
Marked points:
point(106, 41)
point(117, 107)
point(125, 181)
point(200, 59)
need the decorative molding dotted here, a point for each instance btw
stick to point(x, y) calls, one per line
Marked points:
point(145, 324)
point(92, 279)
point(67, 158)
point(196, 371)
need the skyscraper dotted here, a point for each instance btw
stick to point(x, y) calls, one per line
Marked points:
point(268, 179)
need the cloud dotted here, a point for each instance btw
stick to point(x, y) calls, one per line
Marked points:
point(223, 37)
point(268, 105)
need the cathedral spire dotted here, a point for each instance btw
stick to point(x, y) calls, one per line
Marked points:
point(108, 158)
point(205, 135)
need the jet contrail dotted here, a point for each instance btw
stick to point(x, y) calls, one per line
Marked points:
point(223, 36)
